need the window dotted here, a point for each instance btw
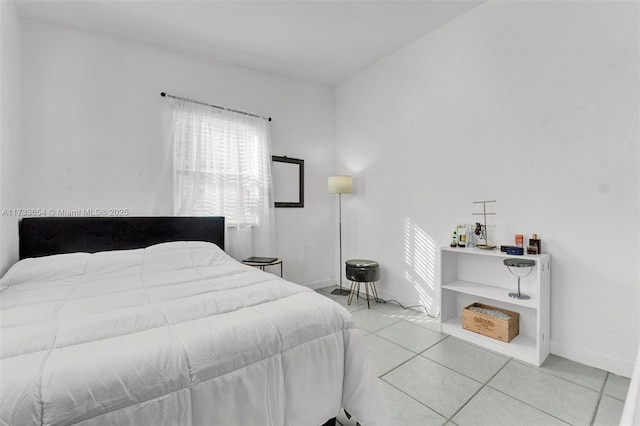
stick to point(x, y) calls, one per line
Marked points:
point(222, 165)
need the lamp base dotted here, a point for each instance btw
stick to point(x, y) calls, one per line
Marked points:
point(519, 296)
point(341, 292)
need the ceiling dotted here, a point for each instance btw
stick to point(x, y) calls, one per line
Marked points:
point(323, 41)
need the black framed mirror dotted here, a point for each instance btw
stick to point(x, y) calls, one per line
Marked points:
point(288, 181)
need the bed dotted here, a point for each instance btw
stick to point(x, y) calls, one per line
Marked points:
point(147, 321)
point(631, 409)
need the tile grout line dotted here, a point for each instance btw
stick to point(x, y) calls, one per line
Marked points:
point(601, 392)
point(411, 350)
point(402, 363)
point(461, 373)
point(525, 402)
point(478, 391)
point(386, 326)
point(548, 373)
point(417, 400)
point(486, 384)
point(448, 419)
point(446, 336)
point(405, 393)
point(541, 370)
point(597, 407)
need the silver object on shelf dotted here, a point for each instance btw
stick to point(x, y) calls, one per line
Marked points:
point(519, 263)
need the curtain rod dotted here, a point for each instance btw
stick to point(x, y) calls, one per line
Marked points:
point(165, 94)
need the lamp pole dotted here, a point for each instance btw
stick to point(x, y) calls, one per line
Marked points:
point(340, 291)
point(340, 233)
point(340, 185)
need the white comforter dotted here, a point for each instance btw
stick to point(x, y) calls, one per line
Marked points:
point(175, 334)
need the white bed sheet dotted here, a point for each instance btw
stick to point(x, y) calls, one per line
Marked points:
point(175, 334)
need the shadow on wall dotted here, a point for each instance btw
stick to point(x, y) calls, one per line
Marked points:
point(421, 260)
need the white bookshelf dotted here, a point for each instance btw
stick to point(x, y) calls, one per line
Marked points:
point(469, 275)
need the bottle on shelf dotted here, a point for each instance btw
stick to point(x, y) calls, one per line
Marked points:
point(519, 240)
point(534, 245)
point(462, 235)
point(470, 242)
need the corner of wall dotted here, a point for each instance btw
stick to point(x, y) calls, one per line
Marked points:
point(11, 127)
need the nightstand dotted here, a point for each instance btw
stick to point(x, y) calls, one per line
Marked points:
point(262, 262)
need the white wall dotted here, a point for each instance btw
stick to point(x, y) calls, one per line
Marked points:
point(532, 104)
point(10, 110)
point(95, 133)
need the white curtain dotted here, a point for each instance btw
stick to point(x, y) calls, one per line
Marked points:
point(222, 167)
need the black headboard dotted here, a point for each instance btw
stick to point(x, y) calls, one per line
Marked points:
point(43, 236)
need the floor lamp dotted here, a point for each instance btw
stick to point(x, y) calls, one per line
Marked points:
point(340, 185)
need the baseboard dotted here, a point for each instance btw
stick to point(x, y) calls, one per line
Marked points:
point(619, 366)
point(433, 310)
point(320, 284)
point(615, 365)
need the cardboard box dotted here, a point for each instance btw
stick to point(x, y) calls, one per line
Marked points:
point(497, 328)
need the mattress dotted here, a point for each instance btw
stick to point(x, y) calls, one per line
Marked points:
point(175, 334)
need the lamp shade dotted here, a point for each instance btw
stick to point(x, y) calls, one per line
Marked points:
point(340, 184)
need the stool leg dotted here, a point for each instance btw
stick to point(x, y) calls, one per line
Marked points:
point(358, 291)
point(374, 290)
point(353, 284)
point(366, 289)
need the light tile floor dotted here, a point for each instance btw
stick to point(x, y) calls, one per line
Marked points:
point(430, 378)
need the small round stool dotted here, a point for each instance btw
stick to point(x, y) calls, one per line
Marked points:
point(363, 271)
